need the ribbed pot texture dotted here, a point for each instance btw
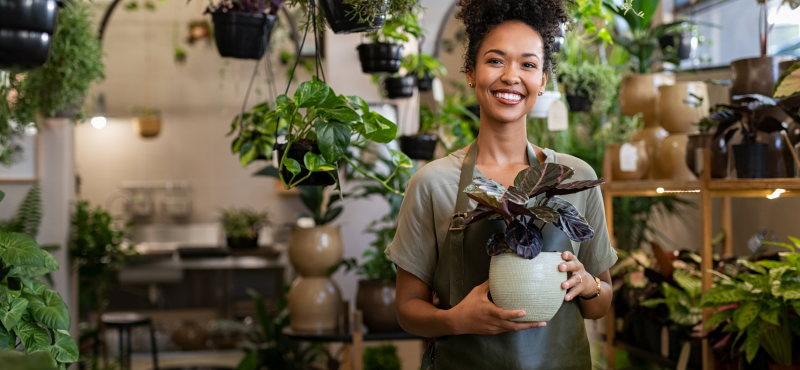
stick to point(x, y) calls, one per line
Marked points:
point(531, 285)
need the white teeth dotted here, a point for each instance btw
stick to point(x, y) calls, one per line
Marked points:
point(507, 96)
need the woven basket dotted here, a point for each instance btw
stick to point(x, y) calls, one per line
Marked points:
point(531, 285)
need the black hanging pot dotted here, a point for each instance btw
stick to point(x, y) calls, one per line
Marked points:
point(425, 83)
point(242, 243)
point(380, 57)
point(399, 87)
point(579, 103)
point(342, 22)
point(298, 152)
point(751, 160)
point(29, 15)
point(681, 44)
point(418, 146)
point(242, 35)
point(20, 50)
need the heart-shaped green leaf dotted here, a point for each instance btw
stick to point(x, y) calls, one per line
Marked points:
point(49, 310)
point(333, 138)
point(311, 93)
point(12, 314)
point(5, 338)
point(316, 163)
point(292, 166)
point(34, 337)
point(64, 349)
point(541, 177)
point(387, 130)
point(247, 153)
point(360, 103)
point(50, 265)
point(33, 286)
point(18, 249)
point(341, 114)
point(788, 84)
point(400, 159)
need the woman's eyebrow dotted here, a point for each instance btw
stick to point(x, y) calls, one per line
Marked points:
point(525, 55)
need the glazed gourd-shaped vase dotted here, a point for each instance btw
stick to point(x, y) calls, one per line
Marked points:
point(531, 285)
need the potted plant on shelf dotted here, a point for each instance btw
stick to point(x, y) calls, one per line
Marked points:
point(761, 304)
point(385, 53)
point(242, 227)
point(713, 136)
point(426, 68)
point(590, 87)
point(422, 145)
point(28, 30)
point(59, 88)
point(518, 252)
point(242, 28)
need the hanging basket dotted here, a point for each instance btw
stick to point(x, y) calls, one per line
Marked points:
point(683, 45)
point(341, 21)
point(399, 87)
point(242, 35)
point(31, 15)
point(425, 83)
point(298, 152)
point(579, 103)
point(380, 57)
point(20, 50)
point(419, 146)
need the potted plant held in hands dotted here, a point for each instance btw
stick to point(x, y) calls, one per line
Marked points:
point(521, 276)
point(242, 227)
point(242, 28)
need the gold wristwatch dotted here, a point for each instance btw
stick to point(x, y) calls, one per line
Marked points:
point(599, 287)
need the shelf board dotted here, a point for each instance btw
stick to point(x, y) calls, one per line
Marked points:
point(754, 187)
point(650, 188)
point(742, 188)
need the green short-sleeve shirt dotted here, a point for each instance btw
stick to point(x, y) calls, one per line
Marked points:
point(430, 200)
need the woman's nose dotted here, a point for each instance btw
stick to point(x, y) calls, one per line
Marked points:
point(510, 76)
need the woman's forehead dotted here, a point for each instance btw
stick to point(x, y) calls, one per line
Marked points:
point(513, 37)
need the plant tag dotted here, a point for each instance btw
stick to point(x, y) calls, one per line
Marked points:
point(664, 341)
point(628, 157)
point(275, 160)
point(698, 160)
point(683, 360)
point(557, 116)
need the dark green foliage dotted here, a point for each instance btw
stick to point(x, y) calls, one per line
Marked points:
point(381, 358)
point(17, 361)
point(242, 223)
point(597, 82)
point(29, 214)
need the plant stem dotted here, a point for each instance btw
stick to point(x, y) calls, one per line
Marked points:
point(372, 177)
point(280, 164)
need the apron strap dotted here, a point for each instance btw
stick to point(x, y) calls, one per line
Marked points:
point(456, 233)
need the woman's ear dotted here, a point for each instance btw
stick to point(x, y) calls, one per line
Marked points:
point(544, 80)
point(471, 77)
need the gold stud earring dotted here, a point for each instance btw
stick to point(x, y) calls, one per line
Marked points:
point(540, 93)
point(471, 85)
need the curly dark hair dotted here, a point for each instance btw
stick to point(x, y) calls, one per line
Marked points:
point(481, 16)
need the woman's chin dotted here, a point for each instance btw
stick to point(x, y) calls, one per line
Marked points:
point(507, 115)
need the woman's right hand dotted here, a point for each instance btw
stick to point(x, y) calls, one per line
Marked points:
point(476, 314)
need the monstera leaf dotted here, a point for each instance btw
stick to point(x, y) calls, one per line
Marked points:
point(524, 240)
point(497, 244)
point(571, 222)
point(574, 187)
point(539, 178)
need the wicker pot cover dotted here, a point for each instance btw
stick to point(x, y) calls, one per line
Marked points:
point(531, 285)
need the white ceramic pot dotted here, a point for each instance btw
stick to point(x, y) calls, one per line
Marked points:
point(531, 285)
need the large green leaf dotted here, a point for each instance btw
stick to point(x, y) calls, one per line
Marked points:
point(249, 362)
point(341, 114)
point(12, 314)
point(49, 310)
point(722, 295)
point(64, 349)
point(651, 303)
point(14, 360)
point(400, 159)
point(18, 249)
point(387, 130)
point(34, 337)
point(751, 343)
point(690, 284)
point(311, 93)
point(746, 313)
point(360, 103)
point(5, 338)
point(333, 138)
point(541, 177)
point(50, 265)
point(33, 286)
point(718, 318)
point(315, 163)
point(771, 315)
point(752, 266)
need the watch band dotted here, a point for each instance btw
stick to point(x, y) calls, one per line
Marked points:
point(596, 279)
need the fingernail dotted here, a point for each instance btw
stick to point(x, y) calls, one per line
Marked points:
point(566, 285)
point(521, 313)
point(542, 324)
point(566, 298)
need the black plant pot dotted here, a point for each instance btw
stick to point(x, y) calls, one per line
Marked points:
point(682, 44)
point(419, 146)
point(242, 243)
point(30, 15)
point(425, 83)
point(579, 103)
point(751, 160)
point(652, 334)
point(380, 57)
point(399, 87)
point(242, 35)
point(341, 22)
point(298, 152)
point(20, 50)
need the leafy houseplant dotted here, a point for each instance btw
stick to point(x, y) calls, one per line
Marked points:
point(532, 201)
point(423, 144)
point(683, 300)
point(589, 86)
point(426, 67)
point(29, 311)
point(385, 53)
point(242, 227)
point(381, 358)
point(760, 305)
point(241, 24)
point(349, 16)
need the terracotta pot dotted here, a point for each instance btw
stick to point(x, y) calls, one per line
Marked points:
point(377, 300)
point(314, 304)
point(719, 154)
point(313, 251)
point(530, 285)
point(636, 168)
point(149, 126)
point(773, 366)
point(190, 336)
point(652, 136)
point(779, 156)
point(639, 94)
point(677, 116)
point(672, 158)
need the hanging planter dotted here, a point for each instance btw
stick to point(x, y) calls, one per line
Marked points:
point(298, 152)
point(242, 35)
point(579, 103)
point(399, 87)
point(31, 15)
point(380, 57)
point(682, 45)
point(26, 28)
point(341, 20)
point(425, 83)
point(419, 146)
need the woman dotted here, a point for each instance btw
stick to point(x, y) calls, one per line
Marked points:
point(507, 60)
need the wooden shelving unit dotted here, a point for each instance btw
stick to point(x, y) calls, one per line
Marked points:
point(706, 189)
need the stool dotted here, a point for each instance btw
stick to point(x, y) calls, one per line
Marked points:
point(124, 321)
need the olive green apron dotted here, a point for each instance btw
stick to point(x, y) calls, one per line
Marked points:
point(464, 264)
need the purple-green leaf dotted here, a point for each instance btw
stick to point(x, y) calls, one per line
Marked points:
point(539, 178)
point(574, 187)
point(488, 199)
point(489, 186)
point(545, 214)
point(571, 221)
point(479, 213)
point(497, 244)
point(524, 240)
point(514, 195)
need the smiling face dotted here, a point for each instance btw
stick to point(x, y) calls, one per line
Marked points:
point(508, 73)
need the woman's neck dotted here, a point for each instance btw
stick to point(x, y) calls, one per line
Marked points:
point(504, 144)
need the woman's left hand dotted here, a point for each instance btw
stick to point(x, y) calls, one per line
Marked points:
point(580, 282)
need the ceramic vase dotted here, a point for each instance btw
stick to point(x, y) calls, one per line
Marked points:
point(629, 161)
point(672, 158)
point(639, 94)
point(652, 136)
point(314, 299)
point(376, 299)
point(676, 116)
point(531, 285)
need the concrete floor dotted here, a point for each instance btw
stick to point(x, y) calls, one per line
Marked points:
point(176, 359)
